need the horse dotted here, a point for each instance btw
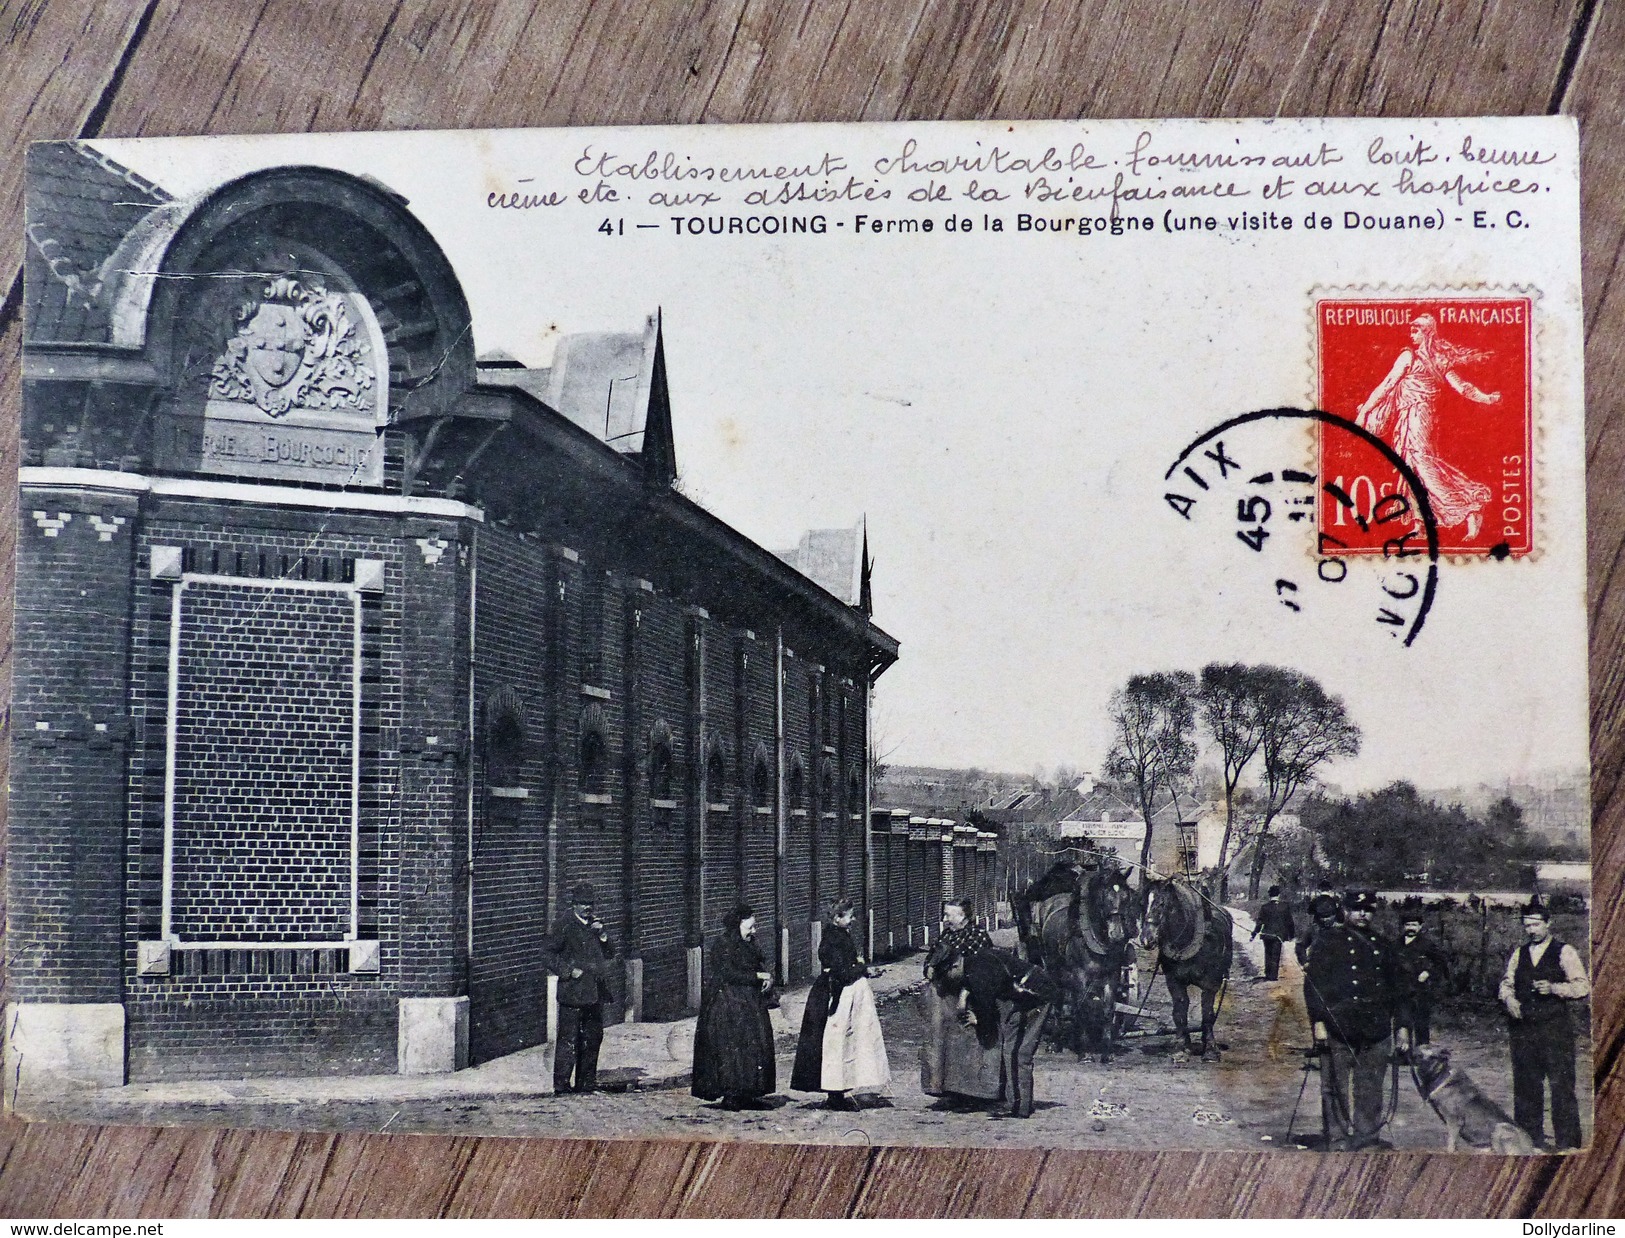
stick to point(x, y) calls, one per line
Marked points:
point(1192, 937)
point(1082, 932)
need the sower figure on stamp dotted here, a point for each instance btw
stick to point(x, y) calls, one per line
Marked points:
point(1424, 970)
point(1404, 409)
point(1543, 977)
point(1275, 926)
point(1007, 1000)
point(1359, 1017)
point(578, 953)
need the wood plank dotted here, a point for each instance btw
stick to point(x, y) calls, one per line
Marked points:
point(61, 59)
point(1593, 1186)
point(296, 64)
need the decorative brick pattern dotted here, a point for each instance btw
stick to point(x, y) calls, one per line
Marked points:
point(263, 764)
point(244, 1012)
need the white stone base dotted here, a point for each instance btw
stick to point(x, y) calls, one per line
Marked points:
point(59, 1047)
point(696, 976)
point(433, 1035)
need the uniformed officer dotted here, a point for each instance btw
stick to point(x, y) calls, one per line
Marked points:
point(1359, 1015)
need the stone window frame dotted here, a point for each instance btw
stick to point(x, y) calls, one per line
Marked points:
point(367, 578)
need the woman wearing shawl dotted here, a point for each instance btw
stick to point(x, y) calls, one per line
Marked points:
point(733, 1043)
point(954, 1064)
point(1403, 410)
point(841, 1048)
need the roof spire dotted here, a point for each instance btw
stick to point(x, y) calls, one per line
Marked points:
point(866, 600)
point(659, 454)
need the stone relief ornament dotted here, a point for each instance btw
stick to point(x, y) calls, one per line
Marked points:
point(295, 346)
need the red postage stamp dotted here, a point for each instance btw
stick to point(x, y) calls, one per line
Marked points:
point(1445, 383)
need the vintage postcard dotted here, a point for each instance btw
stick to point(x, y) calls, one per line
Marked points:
point(1049, 634)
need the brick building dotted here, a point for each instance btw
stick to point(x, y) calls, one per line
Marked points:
point(340, 653)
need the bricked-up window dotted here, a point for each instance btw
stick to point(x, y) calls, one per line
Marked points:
point(716, 777)
point(594, 762)
point(854, 794)
point(761, 783)
point(660, 770)
point(826, 789)
point(798, 785)
point(263, 804)
point(504, 738)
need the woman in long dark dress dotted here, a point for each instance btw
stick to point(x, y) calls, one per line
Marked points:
point(954, 1064)
point(841, 1048)
point(733, 1043)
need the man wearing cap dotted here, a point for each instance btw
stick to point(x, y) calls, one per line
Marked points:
point(578, 953)
point(1359, 1017)
point(1275, 925)
point(1543, 977)
point(1424, 969)
point(1322, 897)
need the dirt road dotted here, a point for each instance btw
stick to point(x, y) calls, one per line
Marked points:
point(1143, 1099)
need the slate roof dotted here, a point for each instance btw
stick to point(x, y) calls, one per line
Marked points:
point(79, 206)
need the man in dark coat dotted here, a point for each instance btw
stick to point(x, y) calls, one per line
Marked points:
point(1351, 989)
point(1275, 926)
point(1008, 1000)
point(733, 1041)
point(1323, 897)
point(1424, 969)
point(1544, 977)
point(578, 953)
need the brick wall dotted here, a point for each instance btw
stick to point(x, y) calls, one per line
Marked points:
point(69, 725)
point(514, 670)
point(266, 707)
point(268, 1011)
point(760, 830)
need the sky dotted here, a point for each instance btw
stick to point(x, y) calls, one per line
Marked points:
point(1002, 407)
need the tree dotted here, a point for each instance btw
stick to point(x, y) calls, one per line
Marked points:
point(1154, 747)
point(1397, 838)
point(1302, 728)
point(1233, 711)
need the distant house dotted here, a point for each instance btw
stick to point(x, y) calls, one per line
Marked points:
point(1185, 837)
point(1553, 877)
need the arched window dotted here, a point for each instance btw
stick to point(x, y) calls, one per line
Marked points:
point(761, 783)
point(594, 752)
point(854, 793)
point(798, 785)
point(594, 763)
point(660, 775)
point(716, 777)
point(826, 789)
point(504, 737)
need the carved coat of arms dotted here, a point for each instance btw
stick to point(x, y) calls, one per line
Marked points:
point(295, 347)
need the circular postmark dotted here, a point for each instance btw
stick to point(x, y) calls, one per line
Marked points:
point(1315, 543)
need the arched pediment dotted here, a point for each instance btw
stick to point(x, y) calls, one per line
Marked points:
point(290, 315)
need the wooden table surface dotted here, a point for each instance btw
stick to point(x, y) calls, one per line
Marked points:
point(90, 68)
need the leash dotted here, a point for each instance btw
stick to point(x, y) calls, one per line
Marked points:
point(1308, 1058)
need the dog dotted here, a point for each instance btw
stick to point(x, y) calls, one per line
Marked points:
point(1469, 1116)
